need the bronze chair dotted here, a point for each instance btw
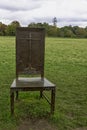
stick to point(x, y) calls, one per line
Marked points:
point(30, 47)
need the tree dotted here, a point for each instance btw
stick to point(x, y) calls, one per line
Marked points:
point(40, 25)
point(32, 25)
point(79, 32)
point(11, 28)
point(52, 31)
point(15, 23)
point(55, 21)
point(2, 29)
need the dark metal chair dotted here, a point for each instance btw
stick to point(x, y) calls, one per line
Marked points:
point(30, 47)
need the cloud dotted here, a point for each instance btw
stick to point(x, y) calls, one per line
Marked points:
point(40, 14)
point(19, 5)
point(68, 12)
point(72, 12)
point(72, 20)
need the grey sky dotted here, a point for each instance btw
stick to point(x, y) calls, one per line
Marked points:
point(68, 12)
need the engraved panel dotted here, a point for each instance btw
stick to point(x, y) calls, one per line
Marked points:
point(29, 50)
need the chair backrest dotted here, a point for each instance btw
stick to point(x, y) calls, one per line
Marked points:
point(30, 48)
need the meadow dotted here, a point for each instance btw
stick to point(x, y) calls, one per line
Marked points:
point(65, 66)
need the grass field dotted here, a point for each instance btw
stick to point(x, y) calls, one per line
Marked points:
point(66, 66)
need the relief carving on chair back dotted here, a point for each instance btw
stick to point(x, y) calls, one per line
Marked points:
point(30, 51)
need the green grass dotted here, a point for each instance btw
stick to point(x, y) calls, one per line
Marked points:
point(66, 66)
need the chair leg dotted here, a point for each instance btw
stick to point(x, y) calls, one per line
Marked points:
point(52, 100)
point(12, 102)
point(17, 94)
point(41, 93)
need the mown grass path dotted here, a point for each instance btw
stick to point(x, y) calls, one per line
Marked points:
point(66, 66)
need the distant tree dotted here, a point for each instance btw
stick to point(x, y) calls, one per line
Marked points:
point(86, 28)
point(10, 31)
point(86, 31)
point(66, 31)
point(55, 21)
point(33, 24)
point(11, 28)
point(52, 31)
point(58, 32)
point(46, 26)
point(2, 29)
point(39, 25)
point(79, 32)
point(15, 23)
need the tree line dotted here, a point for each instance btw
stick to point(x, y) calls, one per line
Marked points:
point(51, 30)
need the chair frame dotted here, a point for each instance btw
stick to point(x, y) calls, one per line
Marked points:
point(51, 87)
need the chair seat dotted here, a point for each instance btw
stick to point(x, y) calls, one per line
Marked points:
point(32, 84)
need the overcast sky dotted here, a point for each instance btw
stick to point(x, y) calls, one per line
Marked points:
point(67, 12)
